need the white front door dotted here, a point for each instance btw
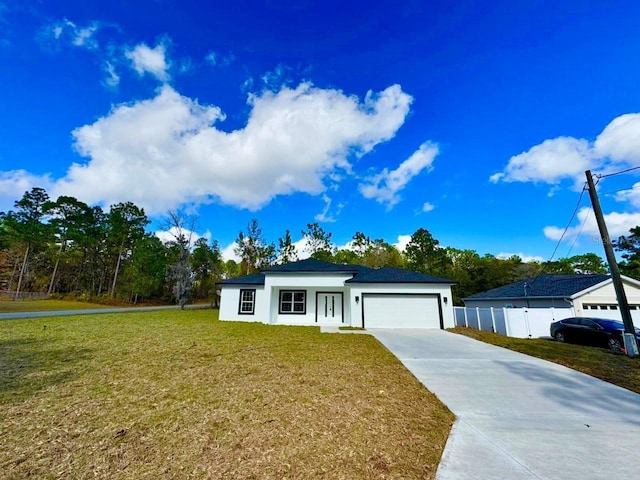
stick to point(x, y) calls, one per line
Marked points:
point(329, 307)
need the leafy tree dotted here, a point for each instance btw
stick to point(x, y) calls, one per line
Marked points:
point(589, 263)
point(318, 242)
point(25, 226)
point(424, 254)
point(630, 247)
point(253, 250)
point(346, 256)
point(286, 250)
point(144, 274)
point(66, 215)
point(206, 261)
point(126, 224)
point(382, 254)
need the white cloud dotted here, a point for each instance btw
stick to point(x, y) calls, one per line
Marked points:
point(631, 195)
point(620, 140)
point(228, 253)
point(427, 207)
point(525, 258)
point(170, 235)
point(618, 224)
point(549, 162)
point(112, 79)
point(14, 183)
point(324, 216)
point(149, 60)
point(558, 159)
point(403, 241)
point(166, 151)
point(384, 186)
point(68, 32)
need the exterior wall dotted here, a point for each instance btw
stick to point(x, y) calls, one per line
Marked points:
point(230, 302)
point(357, 289)
point(312, 284)
point(602, 302)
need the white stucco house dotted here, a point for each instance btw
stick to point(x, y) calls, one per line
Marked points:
point(313, 292)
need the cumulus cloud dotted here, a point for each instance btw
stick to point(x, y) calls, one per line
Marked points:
point(618, 224)
point(14, 183)
point(558, 159)
point(632, 195)
point(166, 151)
point(228, 253)
point(549, 162)
point(403, 241)
point(427, 207)
point(385, 186)
point(153, 61)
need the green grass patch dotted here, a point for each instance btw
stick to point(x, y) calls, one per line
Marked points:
point(601, 363)
point(178, 394)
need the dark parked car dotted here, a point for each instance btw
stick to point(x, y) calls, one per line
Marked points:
point(590, 331)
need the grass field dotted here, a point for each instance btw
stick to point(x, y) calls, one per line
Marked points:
point(598, 362)
point(177, 394)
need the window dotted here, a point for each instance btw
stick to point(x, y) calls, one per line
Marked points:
point(247, 302)
point(293, 302)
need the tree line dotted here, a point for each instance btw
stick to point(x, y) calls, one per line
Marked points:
point(68, 248)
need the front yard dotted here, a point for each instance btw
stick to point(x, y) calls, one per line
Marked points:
point(177, 394)
point(598, 362)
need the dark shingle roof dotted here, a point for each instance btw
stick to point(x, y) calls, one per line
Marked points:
point(314, 265)
point(255, 279)
point(361, 274)
point(543, 286)
point(395, 275)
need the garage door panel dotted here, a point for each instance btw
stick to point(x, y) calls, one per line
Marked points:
point(400, 311)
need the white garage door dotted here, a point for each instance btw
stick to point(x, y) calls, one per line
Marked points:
point(400, 311)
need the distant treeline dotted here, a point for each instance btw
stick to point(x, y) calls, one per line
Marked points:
point(70, 249)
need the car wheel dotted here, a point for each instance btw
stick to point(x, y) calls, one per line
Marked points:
point(615, 344)
point(559, 336)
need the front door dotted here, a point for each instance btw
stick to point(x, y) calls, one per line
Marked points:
point(329, 307)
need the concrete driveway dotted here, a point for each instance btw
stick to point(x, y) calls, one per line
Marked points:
point(519, 417)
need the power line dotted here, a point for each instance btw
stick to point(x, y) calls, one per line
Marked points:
point(600, 176)
point(575, 239)
point(573, 215)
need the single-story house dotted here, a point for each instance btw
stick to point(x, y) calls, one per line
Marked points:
point(313, 292)
point(582, 295)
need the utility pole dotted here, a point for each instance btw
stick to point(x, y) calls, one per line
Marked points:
point(613, 265)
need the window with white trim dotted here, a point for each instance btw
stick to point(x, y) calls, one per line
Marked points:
point(247, 302)
point(293, 302)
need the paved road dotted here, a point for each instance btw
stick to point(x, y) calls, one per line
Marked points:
point(63, 313)
point(519, 417)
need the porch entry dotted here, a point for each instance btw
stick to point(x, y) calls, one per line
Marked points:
point(329, 307)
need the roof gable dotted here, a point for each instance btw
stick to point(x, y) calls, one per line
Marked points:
point(543, 286)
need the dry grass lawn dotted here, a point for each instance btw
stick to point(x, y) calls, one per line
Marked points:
point(598, 362)
point(177, 394)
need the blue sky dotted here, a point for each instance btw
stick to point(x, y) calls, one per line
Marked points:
point(475, 120)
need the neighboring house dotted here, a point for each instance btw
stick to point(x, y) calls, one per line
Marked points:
point(582, 295)
point(312, 292)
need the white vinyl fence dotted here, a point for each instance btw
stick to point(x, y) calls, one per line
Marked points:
point(512, 322)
